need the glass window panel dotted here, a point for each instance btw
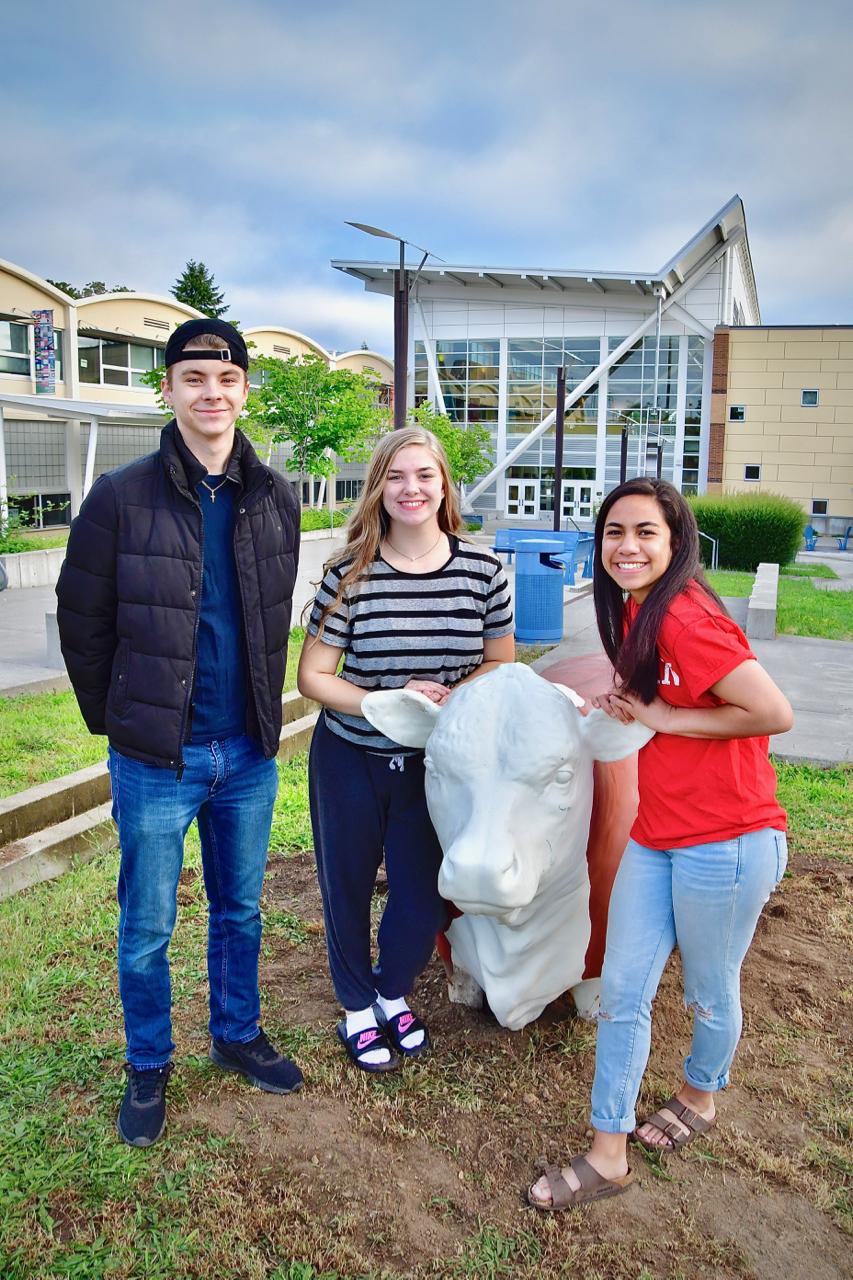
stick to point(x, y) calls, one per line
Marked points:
point(15, 364)
point(14, 338)
point(115, 377)
point(114, 353)
point(57, 354)
point(89, 359)
point(143, 358)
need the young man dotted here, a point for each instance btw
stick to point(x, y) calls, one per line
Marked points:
point(174, 612)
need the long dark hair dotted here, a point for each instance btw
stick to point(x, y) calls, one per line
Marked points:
point(635, 657)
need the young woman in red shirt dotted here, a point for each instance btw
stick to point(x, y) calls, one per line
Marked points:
point(708, 846)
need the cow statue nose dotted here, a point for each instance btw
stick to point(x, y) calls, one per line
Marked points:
point(492, 886)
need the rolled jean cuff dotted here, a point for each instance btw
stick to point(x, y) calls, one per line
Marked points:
point(626, 1125)
point(150, 1066)
point(706, 1086)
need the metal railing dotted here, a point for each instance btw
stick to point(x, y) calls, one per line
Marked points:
point(715, 546)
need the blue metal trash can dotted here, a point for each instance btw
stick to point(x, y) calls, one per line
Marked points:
point(538, 592)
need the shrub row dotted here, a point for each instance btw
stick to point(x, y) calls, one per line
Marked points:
point(750, 528)
point(312, 520)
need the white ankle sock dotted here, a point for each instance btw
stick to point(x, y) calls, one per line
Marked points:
point(364, 1020)
point(391, 1008)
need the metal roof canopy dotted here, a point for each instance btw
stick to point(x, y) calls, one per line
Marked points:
point(378, 277)
point(71, 411)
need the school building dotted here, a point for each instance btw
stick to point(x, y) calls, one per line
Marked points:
point(639, 350)
point(73, 403)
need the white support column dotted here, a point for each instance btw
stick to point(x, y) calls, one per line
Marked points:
point(432, 368)
point(71, 371)
point(680, 412)
point(601, 426)
point(705, 428)
point(73, 470)
point(4, 490)
point(503, 403)
point(91, 449)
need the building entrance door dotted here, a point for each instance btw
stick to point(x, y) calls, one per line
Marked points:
point(577, 500)
point(522, 499)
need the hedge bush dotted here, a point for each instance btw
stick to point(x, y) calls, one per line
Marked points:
point(750, 528)
point(313, 520)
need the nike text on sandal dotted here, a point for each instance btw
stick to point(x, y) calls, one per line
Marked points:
point(259, 1062)
point(369, 1041)
point(398, 1028)
point(593, 1186)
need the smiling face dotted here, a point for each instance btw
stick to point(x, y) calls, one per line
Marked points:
point(207, 398)
point(636, 546)
point(413, 488)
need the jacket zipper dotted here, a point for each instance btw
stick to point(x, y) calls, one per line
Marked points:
point(241, 511)
point(191, 681)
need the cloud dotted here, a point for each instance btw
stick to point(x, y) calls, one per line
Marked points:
point(552, 133)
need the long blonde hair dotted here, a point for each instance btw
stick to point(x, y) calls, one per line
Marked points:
point(368, 524)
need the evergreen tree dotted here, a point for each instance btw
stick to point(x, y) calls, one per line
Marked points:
point(196, 288)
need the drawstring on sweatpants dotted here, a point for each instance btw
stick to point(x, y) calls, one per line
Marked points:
point(398, 762)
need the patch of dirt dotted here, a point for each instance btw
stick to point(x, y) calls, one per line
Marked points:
point(406, 1170)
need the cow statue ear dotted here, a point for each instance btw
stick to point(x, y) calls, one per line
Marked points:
point(572, 696)
point(610, 739)
point(402, 715)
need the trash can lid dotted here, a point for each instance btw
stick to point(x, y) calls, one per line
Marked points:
point(539, 546)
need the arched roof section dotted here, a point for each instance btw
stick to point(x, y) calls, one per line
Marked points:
point(299, 342)
point(360, 361)
point(22, 292)
point(137, 315)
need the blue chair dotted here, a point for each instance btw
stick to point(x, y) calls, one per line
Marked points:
point(842, 542)
point(810, 537)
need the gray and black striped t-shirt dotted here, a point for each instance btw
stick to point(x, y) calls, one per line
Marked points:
point(397, 627)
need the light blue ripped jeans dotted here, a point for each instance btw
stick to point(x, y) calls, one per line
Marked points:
point(707, 898)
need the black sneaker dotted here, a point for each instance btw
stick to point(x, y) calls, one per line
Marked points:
point(142, 1117)
point(263, 1065)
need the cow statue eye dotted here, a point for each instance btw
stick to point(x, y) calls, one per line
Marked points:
point(428, 765)
point(564, 775)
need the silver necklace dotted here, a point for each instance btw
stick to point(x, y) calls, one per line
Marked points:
point(214, 489)
point(414, 558)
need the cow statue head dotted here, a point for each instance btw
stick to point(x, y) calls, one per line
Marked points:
point(508, 778)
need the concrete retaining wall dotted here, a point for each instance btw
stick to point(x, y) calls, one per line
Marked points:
point(761, 610)
point(48, 829)
point(33, 568)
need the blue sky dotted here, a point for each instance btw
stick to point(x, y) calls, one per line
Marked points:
point(543, 132)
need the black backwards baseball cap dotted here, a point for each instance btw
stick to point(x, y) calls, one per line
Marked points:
point(235, 353)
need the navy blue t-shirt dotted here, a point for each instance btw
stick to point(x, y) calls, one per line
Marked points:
point(220, 693)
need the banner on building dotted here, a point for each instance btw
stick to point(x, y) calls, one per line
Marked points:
point(45, 353)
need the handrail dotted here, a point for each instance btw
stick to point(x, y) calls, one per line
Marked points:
point(715, 559)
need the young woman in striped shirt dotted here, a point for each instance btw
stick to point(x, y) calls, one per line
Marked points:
point(409, 605)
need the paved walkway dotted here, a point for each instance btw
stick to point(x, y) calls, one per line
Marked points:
point(816, 675)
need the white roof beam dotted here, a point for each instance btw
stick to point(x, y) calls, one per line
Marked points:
point(701, 269)
point(531, 280)
point(690, 322)
point(484, 275)
point(595, 284)
point(554, 284)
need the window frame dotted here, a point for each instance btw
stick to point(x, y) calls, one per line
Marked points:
point(20, 355)
point(733, 409)
point(809, 391)
point(752, 466)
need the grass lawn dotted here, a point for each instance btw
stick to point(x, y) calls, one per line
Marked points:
point(214, 1199)
point(803, 609)
point(43, 736)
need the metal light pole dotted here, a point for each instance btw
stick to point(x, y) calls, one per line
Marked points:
point(402, 289)
point(558, 446)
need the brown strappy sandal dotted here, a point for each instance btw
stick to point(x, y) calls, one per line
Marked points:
point(687, 1119)
point(592, 1187)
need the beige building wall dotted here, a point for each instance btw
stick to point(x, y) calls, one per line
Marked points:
point(804, 452)
point(282, 344)
point(367, 362)
point(21, 293)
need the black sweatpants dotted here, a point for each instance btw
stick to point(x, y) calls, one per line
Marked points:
point(361, 805)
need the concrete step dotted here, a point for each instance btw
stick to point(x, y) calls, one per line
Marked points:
point(47, 854)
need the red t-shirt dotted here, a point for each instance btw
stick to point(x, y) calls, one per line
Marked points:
point(700, 790)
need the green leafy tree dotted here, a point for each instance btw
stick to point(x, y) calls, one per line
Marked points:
point(88, 290)
point(319, 412)
point(466, 447)
point(196, 288)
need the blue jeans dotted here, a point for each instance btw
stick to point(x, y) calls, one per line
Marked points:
point(707, 898)
point(231, 789)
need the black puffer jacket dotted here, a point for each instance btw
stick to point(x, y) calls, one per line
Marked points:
point(130, 593)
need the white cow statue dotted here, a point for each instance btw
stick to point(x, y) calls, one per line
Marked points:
point(509, 784)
